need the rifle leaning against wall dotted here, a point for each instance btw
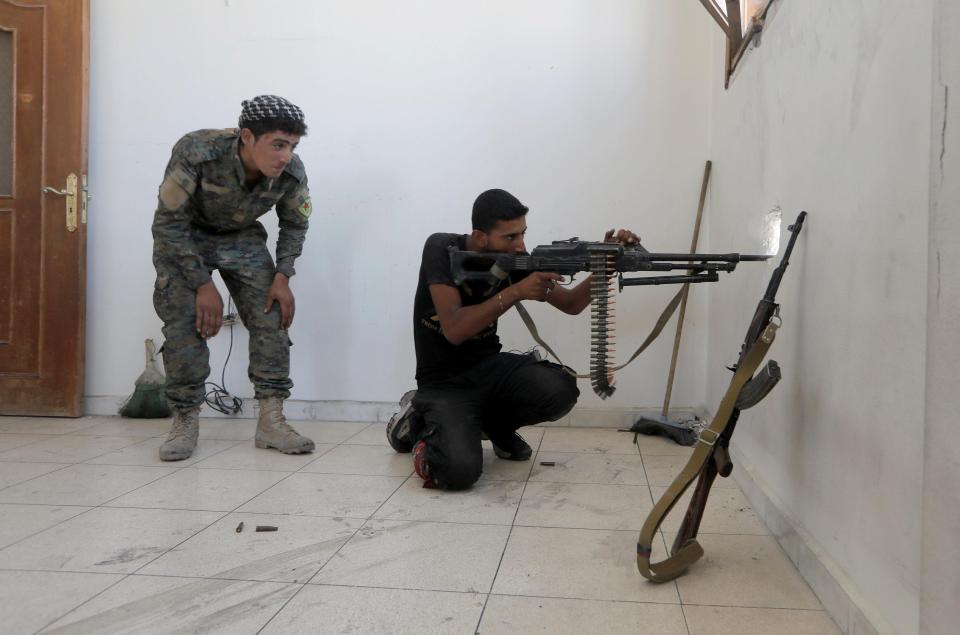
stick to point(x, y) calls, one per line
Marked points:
point(607, 262)
point(712, 456)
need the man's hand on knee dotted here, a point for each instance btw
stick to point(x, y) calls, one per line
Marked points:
point(209, 310)
point(280, 292)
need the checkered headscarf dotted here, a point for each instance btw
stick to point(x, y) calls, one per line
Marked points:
point(268, 107)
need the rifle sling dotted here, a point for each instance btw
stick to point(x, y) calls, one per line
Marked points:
point(691, 550)
point(658, 327)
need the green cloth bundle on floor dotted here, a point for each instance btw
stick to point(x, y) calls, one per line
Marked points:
point(148, 400)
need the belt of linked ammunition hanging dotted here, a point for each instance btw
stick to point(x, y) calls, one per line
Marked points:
point(602, 324)
point(602, 327)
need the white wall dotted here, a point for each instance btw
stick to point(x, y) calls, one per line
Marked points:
point(594, 114)
point(831, 115)
point(940, 588)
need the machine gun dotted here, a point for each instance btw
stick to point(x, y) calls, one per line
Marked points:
point(711, 455)
point(605, 261)
point(569, 257)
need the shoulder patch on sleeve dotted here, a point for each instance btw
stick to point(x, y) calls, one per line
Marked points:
point(172, 195)
point(306, 208)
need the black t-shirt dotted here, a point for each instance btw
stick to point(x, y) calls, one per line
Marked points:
point(437, 358)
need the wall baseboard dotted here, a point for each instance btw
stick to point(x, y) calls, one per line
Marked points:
point(381, 411)
point(830, 584)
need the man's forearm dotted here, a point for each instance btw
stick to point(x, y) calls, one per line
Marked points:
point(575, 300)
point(581, 296)
point(290, 246)
point(470, 320)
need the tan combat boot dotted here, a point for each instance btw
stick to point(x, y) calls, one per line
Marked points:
point(273, 431)
point(182, 439)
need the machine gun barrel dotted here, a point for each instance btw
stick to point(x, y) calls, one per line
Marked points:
point(767, 306)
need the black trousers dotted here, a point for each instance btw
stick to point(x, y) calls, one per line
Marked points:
point(497, 396)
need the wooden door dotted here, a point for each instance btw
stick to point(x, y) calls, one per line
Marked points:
point(43, 141)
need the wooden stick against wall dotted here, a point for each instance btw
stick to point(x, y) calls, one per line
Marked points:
point(686, 289)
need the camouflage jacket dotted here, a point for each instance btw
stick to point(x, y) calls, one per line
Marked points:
point(204, 187)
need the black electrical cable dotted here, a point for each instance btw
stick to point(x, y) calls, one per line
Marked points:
point(218, 397)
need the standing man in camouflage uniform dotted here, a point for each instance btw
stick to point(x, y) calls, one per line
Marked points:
point(217, 184)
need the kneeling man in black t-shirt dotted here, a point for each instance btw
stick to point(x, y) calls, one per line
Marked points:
point(466, 388)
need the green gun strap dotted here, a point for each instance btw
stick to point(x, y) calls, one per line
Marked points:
point(691, 551)
point(528, 322)
point(658, 327)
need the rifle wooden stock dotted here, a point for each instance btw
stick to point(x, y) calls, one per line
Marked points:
point(718, 463)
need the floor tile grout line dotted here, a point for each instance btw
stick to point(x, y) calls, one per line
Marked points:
point(334, 554)
point(174, 470)
point(124, 447)
point(2, 461)
point(194, 534)
point(37, 476)
point(582, 599)
point(208, 526)
point(683, 612)
point(235, 511)
point(25, 445)
point(359, 432)
point(657, 603)
point(303, 470)
point(89, 599)
point(51, 435)
point(795, 568)
point(193, 466)
point(506, 543)
point(366, 520)
point(391, 588)
point(400, 588)
point(653, 503)
point(91, 507)
point(109, 506)
point(282, 606)
point(43, 437)
point(756, 607)
point(37, 533)
point(58, 571)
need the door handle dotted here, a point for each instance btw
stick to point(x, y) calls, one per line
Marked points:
point(72, 192)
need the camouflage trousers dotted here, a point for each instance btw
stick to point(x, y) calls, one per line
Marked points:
point(247, 269)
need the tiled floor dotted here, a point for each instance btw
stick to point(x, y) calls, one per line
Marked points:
point(98, 536)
